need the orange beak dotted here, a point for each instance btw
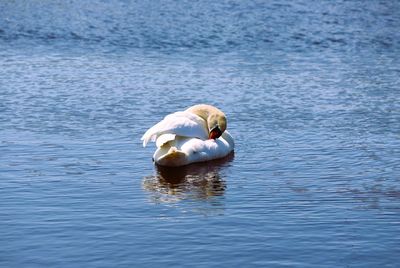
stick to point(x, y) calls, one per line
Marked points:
point(215, 133)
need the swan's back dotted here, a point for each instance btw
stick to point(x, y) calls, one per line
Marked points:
point(184, 124)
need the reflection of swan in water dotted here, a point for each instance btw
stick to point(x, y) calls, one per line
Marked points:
point(195, 181)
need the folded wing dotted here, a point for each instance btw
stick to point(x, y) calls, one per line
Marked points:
point(184, 124)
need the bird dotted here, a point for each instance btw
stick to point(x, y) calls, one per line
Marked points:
point(196, 134)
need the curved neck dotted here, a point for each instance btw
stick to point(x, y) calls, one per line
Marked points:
point(204, 110)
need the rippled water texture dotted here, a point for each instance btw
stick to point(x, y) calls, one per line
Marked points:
point(311, 90)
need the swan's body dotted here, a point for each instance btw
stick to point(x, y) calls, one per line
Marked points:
point(195, 135)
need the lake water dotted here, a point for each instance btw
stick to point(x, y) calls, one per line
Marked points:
point(311, 90)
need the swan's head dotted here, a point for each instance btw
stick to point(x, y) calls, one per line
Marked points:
point(215, 118)
point(216, 125)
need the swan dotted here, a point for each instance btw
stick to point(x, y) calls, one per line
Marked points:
point(197, 134)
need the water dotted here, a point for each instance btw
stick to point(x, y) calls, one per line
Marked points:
point(311, 91)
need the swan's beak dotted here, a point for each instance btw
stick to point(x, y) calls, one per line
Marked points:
point(215, 133)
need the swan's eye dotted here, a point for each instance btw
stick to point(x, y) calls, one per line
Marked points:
point(215, 133)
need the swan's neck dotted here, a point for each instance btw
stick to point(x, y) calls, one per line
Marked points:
point(204, 111)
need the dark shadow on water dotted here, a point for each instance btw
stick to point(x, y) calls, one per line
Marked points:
point(200, 181)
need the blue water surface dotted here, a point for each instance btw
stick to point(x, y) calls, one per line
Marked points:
point(311, 90)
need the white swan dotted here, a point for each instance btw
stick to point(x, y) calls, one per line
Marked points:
point(195, 135)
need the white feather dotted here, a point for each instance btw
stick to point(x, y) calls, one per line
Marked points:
point(183, 124)
point(164, 138)
point(183, 150)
